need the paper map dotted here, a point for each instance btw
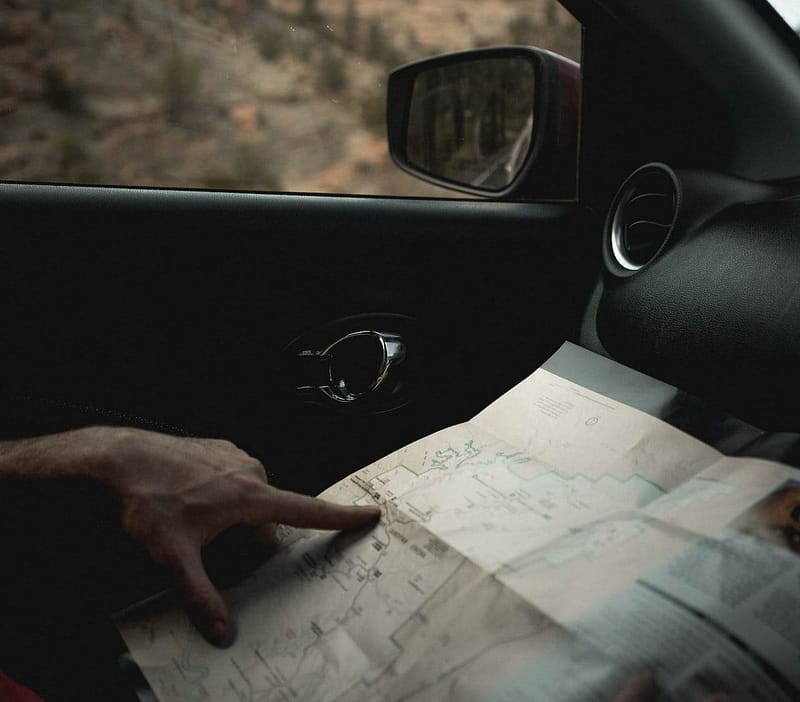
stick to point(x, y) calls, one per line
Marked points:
point(487, 552)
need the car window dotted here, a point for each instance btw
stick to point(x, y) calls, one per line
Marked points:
point(789, 10)
point(283, 95)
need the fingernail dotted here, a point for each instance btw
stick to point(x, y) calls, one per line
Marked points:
point(221, 634)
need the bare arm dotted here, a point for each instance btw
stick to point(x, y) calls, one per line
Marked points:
point(176, 495)
point(70, 454)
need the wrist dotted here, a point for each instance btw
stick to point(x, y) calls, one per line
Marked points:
point(98, 452)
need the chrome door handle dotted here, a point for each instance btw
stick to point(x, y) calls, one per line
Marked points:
point(356, 365)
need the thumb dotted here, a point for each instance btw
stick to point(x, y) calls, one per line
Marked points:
point(205, 606)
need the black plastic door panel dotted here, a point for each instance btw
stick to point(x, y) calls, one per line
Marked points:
point(186, 310)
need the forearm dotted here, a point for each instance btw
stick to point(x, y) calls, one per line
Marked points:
point(72, 454)
point(176, 495)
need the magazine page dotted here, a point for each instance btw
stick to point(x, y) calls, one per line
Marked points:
point(573, 571)
point(702, 586)
point(690, 656)
point(745, 579)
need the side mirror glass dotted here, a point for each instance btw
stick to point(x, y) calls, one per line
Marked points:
point(471, 122)
point(499, 122)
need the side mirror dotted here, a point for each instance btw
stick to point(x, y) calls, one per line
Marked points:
point(499, 122)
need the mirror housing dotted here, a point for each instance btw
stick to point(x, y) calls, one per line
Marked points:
point(499, 122)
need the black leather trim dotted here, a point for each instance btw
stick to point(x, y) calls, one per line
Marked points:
point(719, 313)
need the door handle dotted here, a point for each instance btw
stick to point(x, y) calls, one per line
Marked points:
point(355, 366)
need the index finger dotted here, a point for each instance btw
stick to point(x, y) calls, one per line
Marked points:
point(294, 509)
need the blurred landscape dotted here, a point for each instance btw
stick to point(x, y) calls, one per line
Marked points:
point(230, 94)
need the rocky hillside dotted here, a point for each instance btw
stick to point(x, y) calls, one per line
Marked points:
point(246, 94)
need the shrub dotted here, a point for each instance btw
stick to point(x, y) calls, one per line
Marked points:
point(522, 29)
point(311, 12)
point(351, 26)
point(254, 170)
point(128, 15)
point(179, 79)
point(331, 72)
point(72, 159)
point(272, 41)
point(379, 46)
point(373, 112)
point(376, 41)
point(60, 93)
point(250, 169)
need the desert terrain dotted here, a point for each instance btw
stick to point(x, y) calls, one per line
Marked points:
point(262, 95)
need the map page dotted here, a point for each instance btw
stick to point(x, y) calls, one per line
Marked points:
point(454, 594)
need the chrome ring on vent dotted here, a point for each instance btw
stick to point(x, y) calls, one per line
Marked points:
point(618, 232)
point(641, 219)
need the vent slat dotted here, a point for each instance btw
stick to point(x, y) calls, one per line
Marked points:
point(649, 222)
point(657, 207)
point(643, 240)
point(644, 213)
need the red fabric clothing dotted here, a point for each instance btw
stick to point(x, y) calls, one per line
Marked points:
point(11, 691)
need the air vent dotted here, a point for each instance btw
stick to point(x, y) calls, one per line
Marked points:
point(641, 218)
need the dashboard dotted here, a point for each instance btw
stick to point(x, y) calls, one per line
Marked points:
point(701, 286)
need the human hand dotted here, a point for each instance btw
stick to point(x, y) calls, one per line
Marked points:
point(642, 687)
point(177, 494)
point(639, 687)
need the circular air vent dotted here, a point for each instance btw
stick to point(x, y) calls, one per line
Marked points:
point(641, 218)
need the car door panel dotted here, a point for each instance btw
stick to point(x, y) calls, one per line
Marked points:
point(181, 307)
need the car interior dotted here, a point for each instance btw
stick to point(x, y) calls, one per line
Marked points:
point(206, 313)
